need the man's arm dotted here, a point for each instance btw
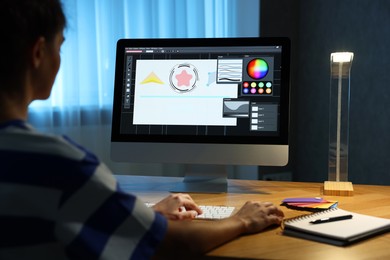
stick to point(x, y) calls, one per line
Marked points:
point(199, 237)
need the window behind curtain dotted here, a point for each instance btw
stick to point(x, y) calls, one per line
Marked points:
point(84, 84)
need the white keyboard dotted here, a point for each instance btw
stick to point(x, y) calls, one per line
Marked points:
point(211, 212)
point(215, 212)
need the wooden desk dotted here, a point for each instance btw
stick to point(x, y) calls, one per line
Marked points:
point(271, 244)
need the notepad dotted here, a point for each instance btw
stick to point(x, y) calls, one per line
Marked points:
point(340, 233)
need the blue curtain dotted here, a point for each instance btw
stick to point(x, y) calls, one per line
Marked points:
point(82, 93)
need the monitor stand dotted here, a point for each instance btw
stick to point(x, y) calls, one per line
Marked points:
point(203, 179)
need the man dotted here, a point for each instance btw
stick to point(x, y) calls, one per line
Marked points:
point(57, 200)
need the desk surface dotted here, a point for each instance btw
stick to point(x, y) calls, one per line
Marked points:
point(271, 244)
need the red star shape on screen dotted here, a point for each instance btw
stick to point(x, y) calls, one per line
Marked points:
point(183, 78)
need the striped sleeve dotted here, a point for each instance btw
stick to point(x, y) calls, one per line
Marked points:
point(69, 202)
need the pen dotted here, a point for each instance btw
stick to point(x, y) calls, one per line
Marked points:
point(332, 219)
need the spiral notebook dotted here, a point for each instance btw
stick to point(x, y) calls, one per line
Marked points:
point(340, 233)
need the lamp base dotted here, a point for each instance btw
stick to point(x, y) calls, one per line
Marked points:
point(338, 188)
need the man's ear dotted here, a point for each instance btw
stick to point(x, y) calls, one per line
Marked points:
point(38, 52)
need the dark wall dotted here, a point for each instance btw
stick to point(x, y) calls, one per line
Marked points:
point(318, 28)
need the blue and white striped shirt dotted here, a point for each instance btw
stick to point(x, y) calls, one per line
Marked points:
point(58, 201)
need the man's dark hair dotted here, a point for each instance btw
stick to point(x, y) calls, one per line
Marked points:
point(22, 22)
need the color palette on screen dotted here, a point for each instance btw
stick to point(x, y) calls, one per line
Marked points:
point(257, 68)
point(257, 88)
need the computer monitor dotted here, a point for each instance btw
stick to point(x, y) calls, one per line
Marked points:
point(209, 101)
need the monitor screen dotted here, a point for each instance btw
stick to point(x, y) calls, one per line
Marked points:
point(212, 101)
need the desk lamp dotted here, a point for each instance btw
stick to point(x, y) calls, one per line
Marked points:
point(338, 184)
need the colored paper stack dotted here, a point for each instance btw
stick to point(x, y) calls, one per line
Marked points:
point(309, 204)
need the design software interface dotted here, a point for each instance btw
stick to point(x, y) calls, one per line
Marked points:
point(202, 91)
